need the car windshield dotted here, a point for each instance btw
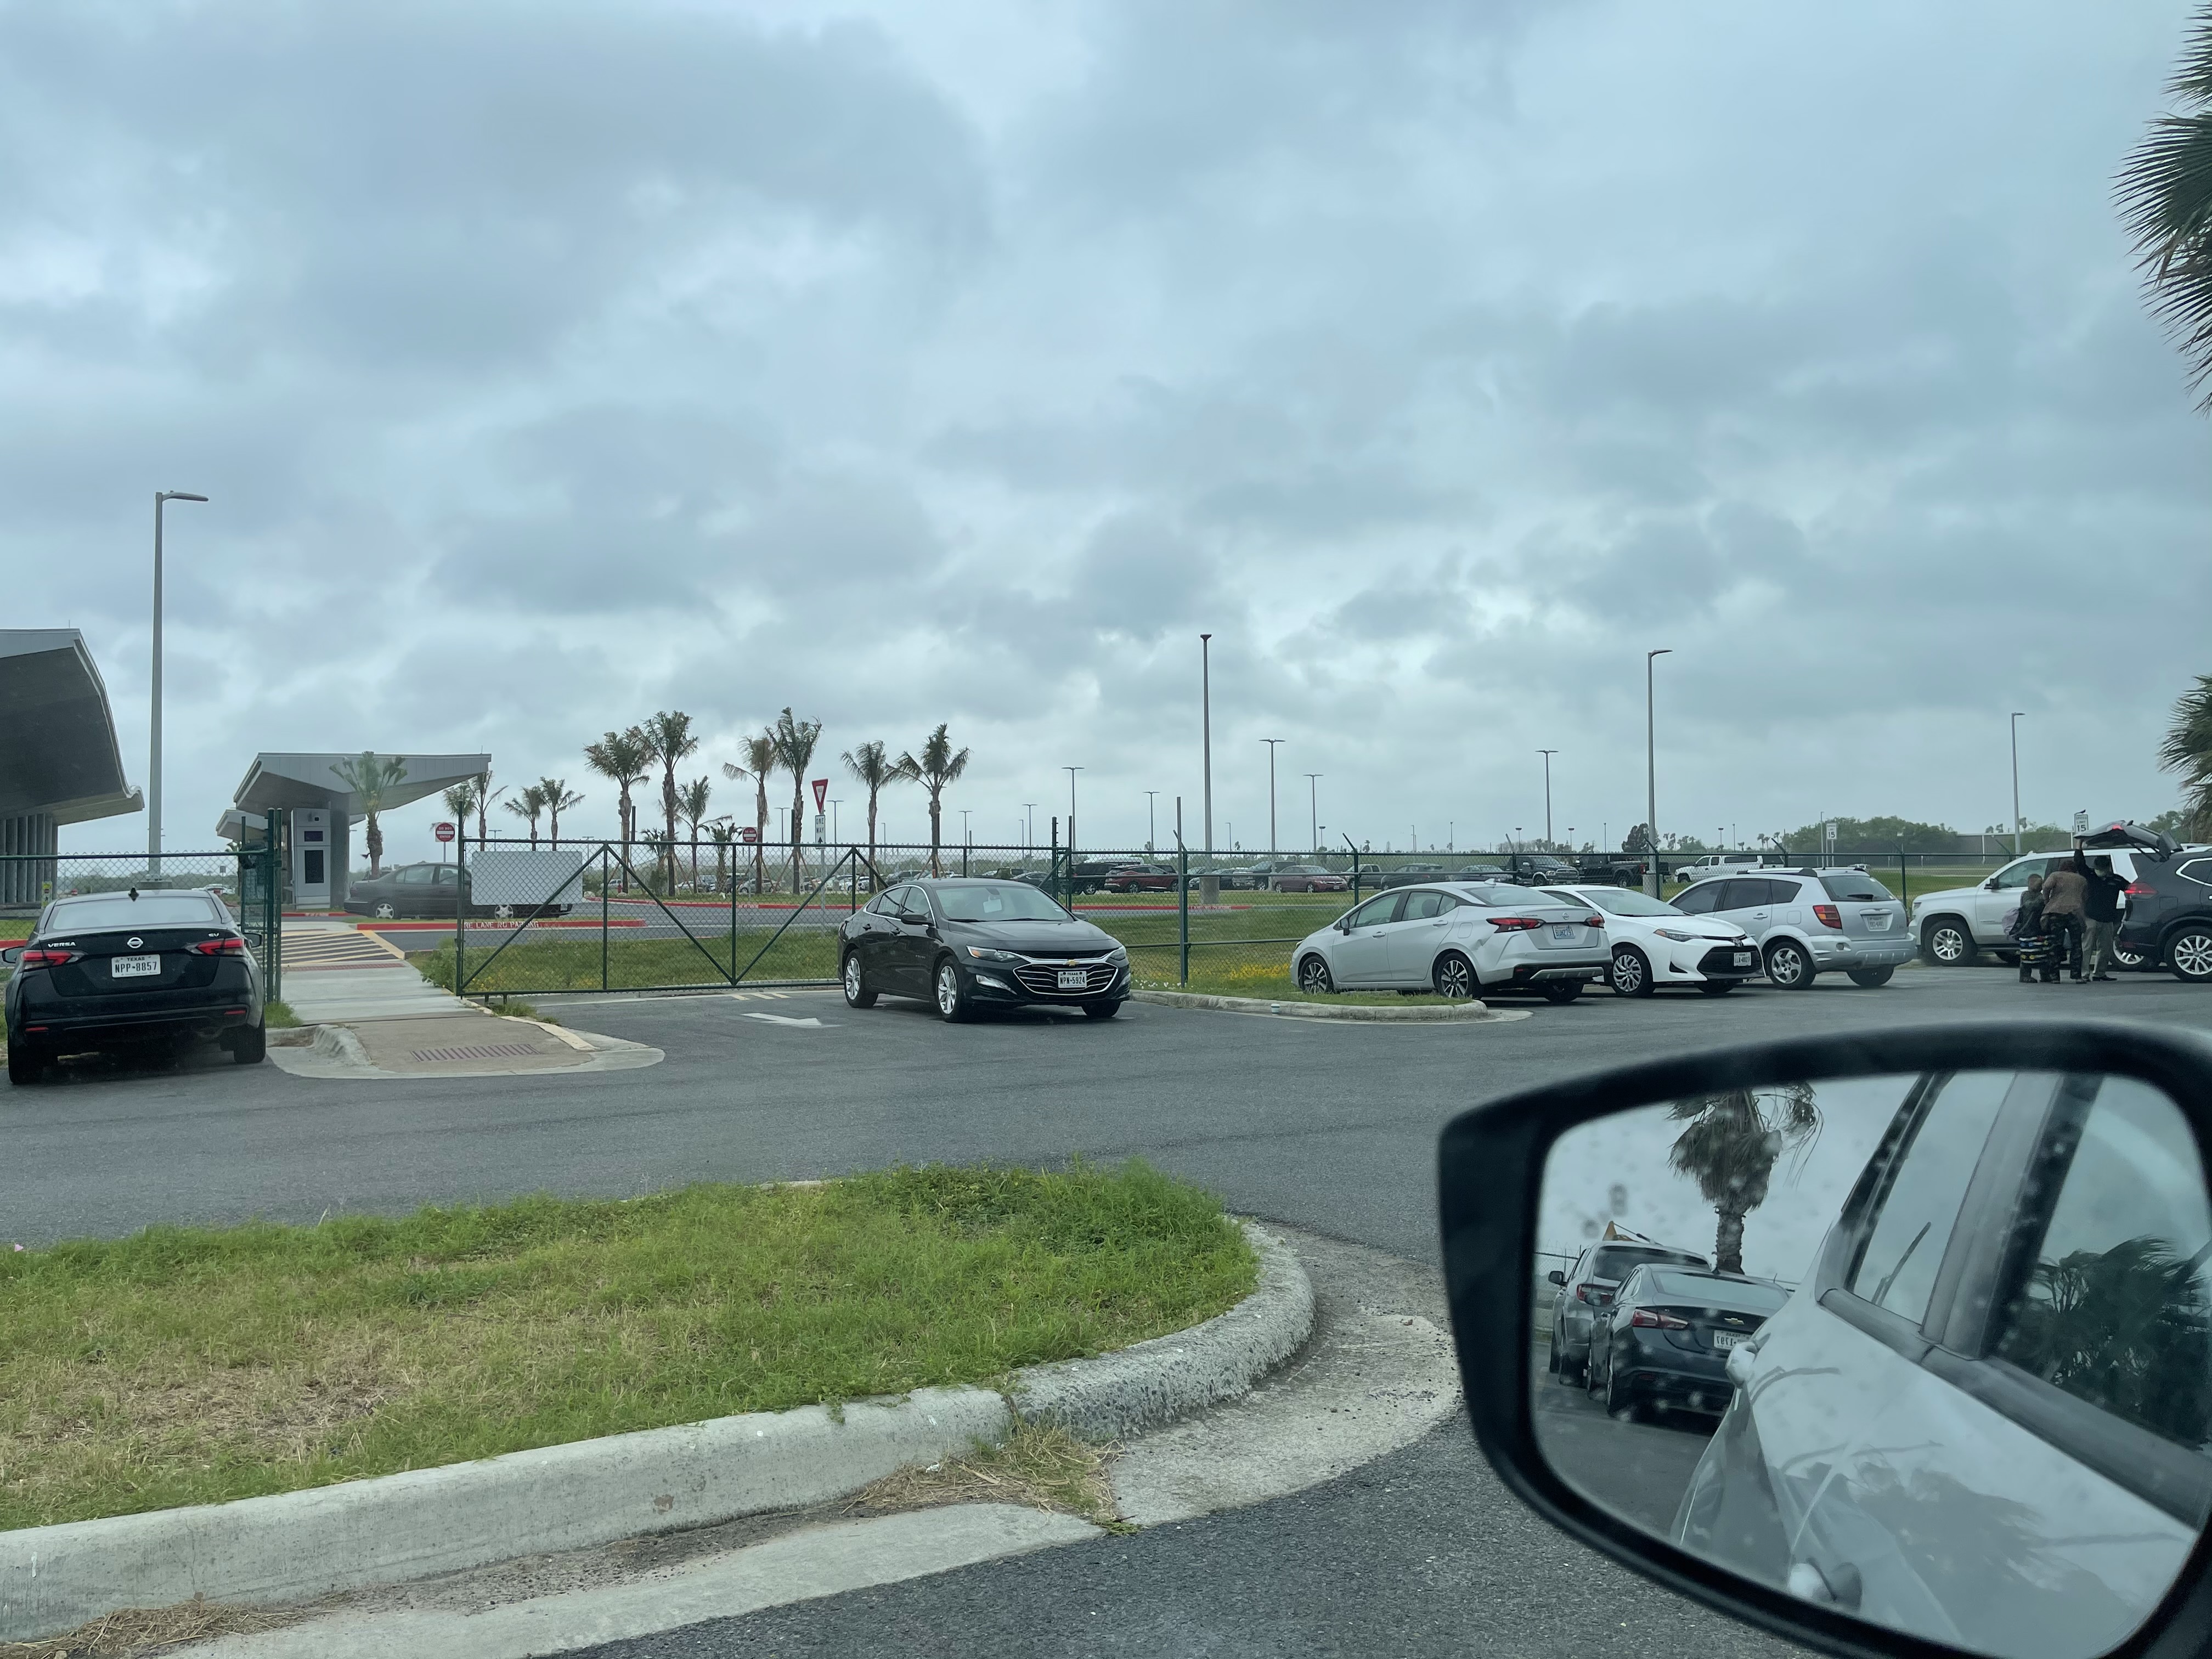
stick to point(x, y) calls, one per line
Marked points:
point(147, 910)
point(1851, 886)
point(997, 901)
point(1620, 901)
point(1618, 1262)
point(1713, 1292)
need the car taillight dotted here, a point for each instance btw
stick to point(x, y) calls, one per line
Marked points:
point(2137, 890)
point(233, 946)
point(46, 958)
point(1593, 921)
point(1513, 924)
point(1828, 916)
point(1652, 1320)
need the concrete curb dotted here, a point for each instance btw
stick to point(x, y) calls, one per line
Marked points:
point(1353, 1011)
point(294, 1547)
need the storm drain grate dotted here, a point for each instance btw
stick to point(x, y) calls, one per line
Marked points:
point(476, 1051)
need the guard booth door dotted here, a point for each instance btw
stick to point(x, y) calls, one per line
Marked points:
point(311, 858)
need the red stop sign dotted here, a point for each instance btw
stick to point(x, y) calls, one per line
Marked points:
point(443, 832)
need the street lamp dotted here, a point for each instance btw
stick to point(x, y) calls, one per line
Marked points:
point(834, 805)
point(1273, 845)
point(1313, 805)
point(1070, 771)
point(1029, 832)
point(161, 498)
point(1209, 884)
point(1547, 754)
point(2016, 713)
point(1151, 820)
point(1651, 776)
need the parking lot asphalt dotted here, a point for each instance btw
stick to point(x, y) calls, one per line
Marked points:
point(1331, 1127)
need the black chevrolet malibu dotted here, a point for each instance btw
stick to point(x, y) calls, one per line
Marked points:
point(105, 969)
point(969, 944)
point(1669, 1338)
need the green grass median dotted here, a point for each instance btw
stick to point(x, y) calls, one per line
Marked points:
point(187, 1366)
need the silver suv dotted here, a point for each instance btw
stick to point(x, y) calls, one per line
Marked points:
point(1806, 922)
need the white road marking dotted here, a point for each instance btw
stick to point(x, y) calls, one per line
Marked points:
point(809, 1022)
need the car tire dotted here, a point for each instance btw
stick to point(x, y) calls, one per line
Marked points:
point(1717, 988)
point(1620, 1402)
point(857, 994)
point(1789, 968)
point(1630, 975)
point(1454, 976)
point(1561, 990)
point(384, 910)
point(25, 1064)
point(1552, 1359)
point(1313, 978)
point(1948, 942)
point(2128, 961)
point(249, 1045)
point(503, 912)
point(1102, 1010)
point(2188, 956)
point(1871, 977)
point(953, 1005)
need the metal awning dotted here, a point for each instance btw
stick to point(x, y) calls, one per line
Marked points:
point(57, 749)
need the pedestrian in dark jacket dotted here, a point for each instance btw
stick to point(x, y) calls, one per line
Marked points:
point(2101, 905)
point(2035, 953)
point(2064, 891)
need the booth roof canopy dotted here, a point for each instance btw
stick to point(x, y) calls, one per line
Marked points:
point(57, 749)
point(293, 780)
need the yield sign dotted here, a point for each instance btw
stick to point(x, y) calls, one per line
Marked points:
point(821, 793)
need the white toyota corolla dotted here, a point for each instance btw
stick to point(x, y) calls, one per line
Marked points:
point(1458, 940)
point(1652, 944)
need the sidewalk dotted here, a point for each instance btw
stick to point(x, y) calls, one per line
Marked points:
point(334, 972)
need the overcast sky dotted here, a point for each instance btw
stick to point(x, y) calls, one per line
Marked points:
point(552, 364)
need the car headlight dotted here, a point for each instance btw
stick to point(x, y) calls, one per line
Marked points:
point(982, 954)
point(1119, 953)
point(1678, 937)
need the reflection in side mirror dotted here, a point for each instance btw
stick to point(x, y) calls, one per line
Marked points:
point(1743, 1364)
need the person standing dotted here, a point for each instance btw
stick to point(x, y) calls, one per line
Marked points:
point(2035, 952)
point(2100, 908)
point(2064, 891)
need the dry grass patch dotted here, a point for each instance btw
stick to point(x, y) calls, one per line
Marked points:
point(1040, 1466)
point(130, 1632)
point(198, 1366)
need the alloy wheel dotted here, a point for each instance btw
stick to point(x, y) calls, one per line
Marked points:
point(1629, 975)
point(948, 990)
point(1314, 977)
point(1948, 944)
point(2191, 953)
point(1787, 966)
point(1455, 976)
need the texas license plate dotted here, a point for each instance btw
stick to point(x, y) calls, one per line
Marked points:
point(1566, 933)
point(1724, 1340)
point(134, 967)
point(1074, 979)
point(1876, 924)
point(1743, 958)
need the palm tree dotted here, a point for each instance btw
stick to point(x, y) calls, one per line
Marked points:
point(2165, 190)
point(760, 761)
point(530, 804)
point(724, 833)
point(938, 767)
point(461, 801)
point(795, 742)
point(559, 798)
point(873, 770)
point(692, 797)
point(368, 780)
point(670, 734)
point(2188, 750)
point(1730, 1148)
point(625, 760)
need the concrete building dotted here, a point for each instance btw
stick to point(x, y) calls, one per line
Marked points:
point(321, 812)
point(59, 762)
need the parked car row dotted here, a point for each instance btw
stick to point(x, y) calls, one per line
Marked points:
point(1644, 1326)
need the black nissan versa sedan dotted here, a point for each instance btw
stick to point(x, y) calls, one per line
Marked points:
point(105, 971)
point(966, 944)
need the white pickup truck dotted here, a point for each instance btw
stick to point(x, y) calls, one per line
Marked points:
point(1719, 864)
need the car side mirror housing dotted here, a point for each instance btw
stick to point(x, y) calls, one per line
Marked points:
point(913, 918)
point(12, 954)
point(1910, 1293)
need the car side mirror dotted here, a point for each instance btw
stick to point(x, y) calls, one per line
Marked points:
point(12, 954)
point(1933, 1307)
point(1555, 1276)
point(913, 918)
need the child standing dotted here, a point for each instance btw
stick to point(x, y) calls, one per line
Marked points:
point(2035, 952)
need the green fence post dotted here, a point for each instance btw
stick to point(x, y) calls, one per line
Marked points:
point(733, 924)
point(606, 876)
point(1183, 908)
point(461, 895)
point(1904, 881)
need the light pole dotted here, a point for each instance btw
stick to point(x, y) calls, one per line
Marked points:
point(1070, 771)
point(1547, 754)
point(1273, 844)
point(1151, 820)
point(161, 497)
point(834, 805)
point(1029, 834)
point(1652, 776)
point(1313, 805)
point(2016, 713)
point(1209, 884)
